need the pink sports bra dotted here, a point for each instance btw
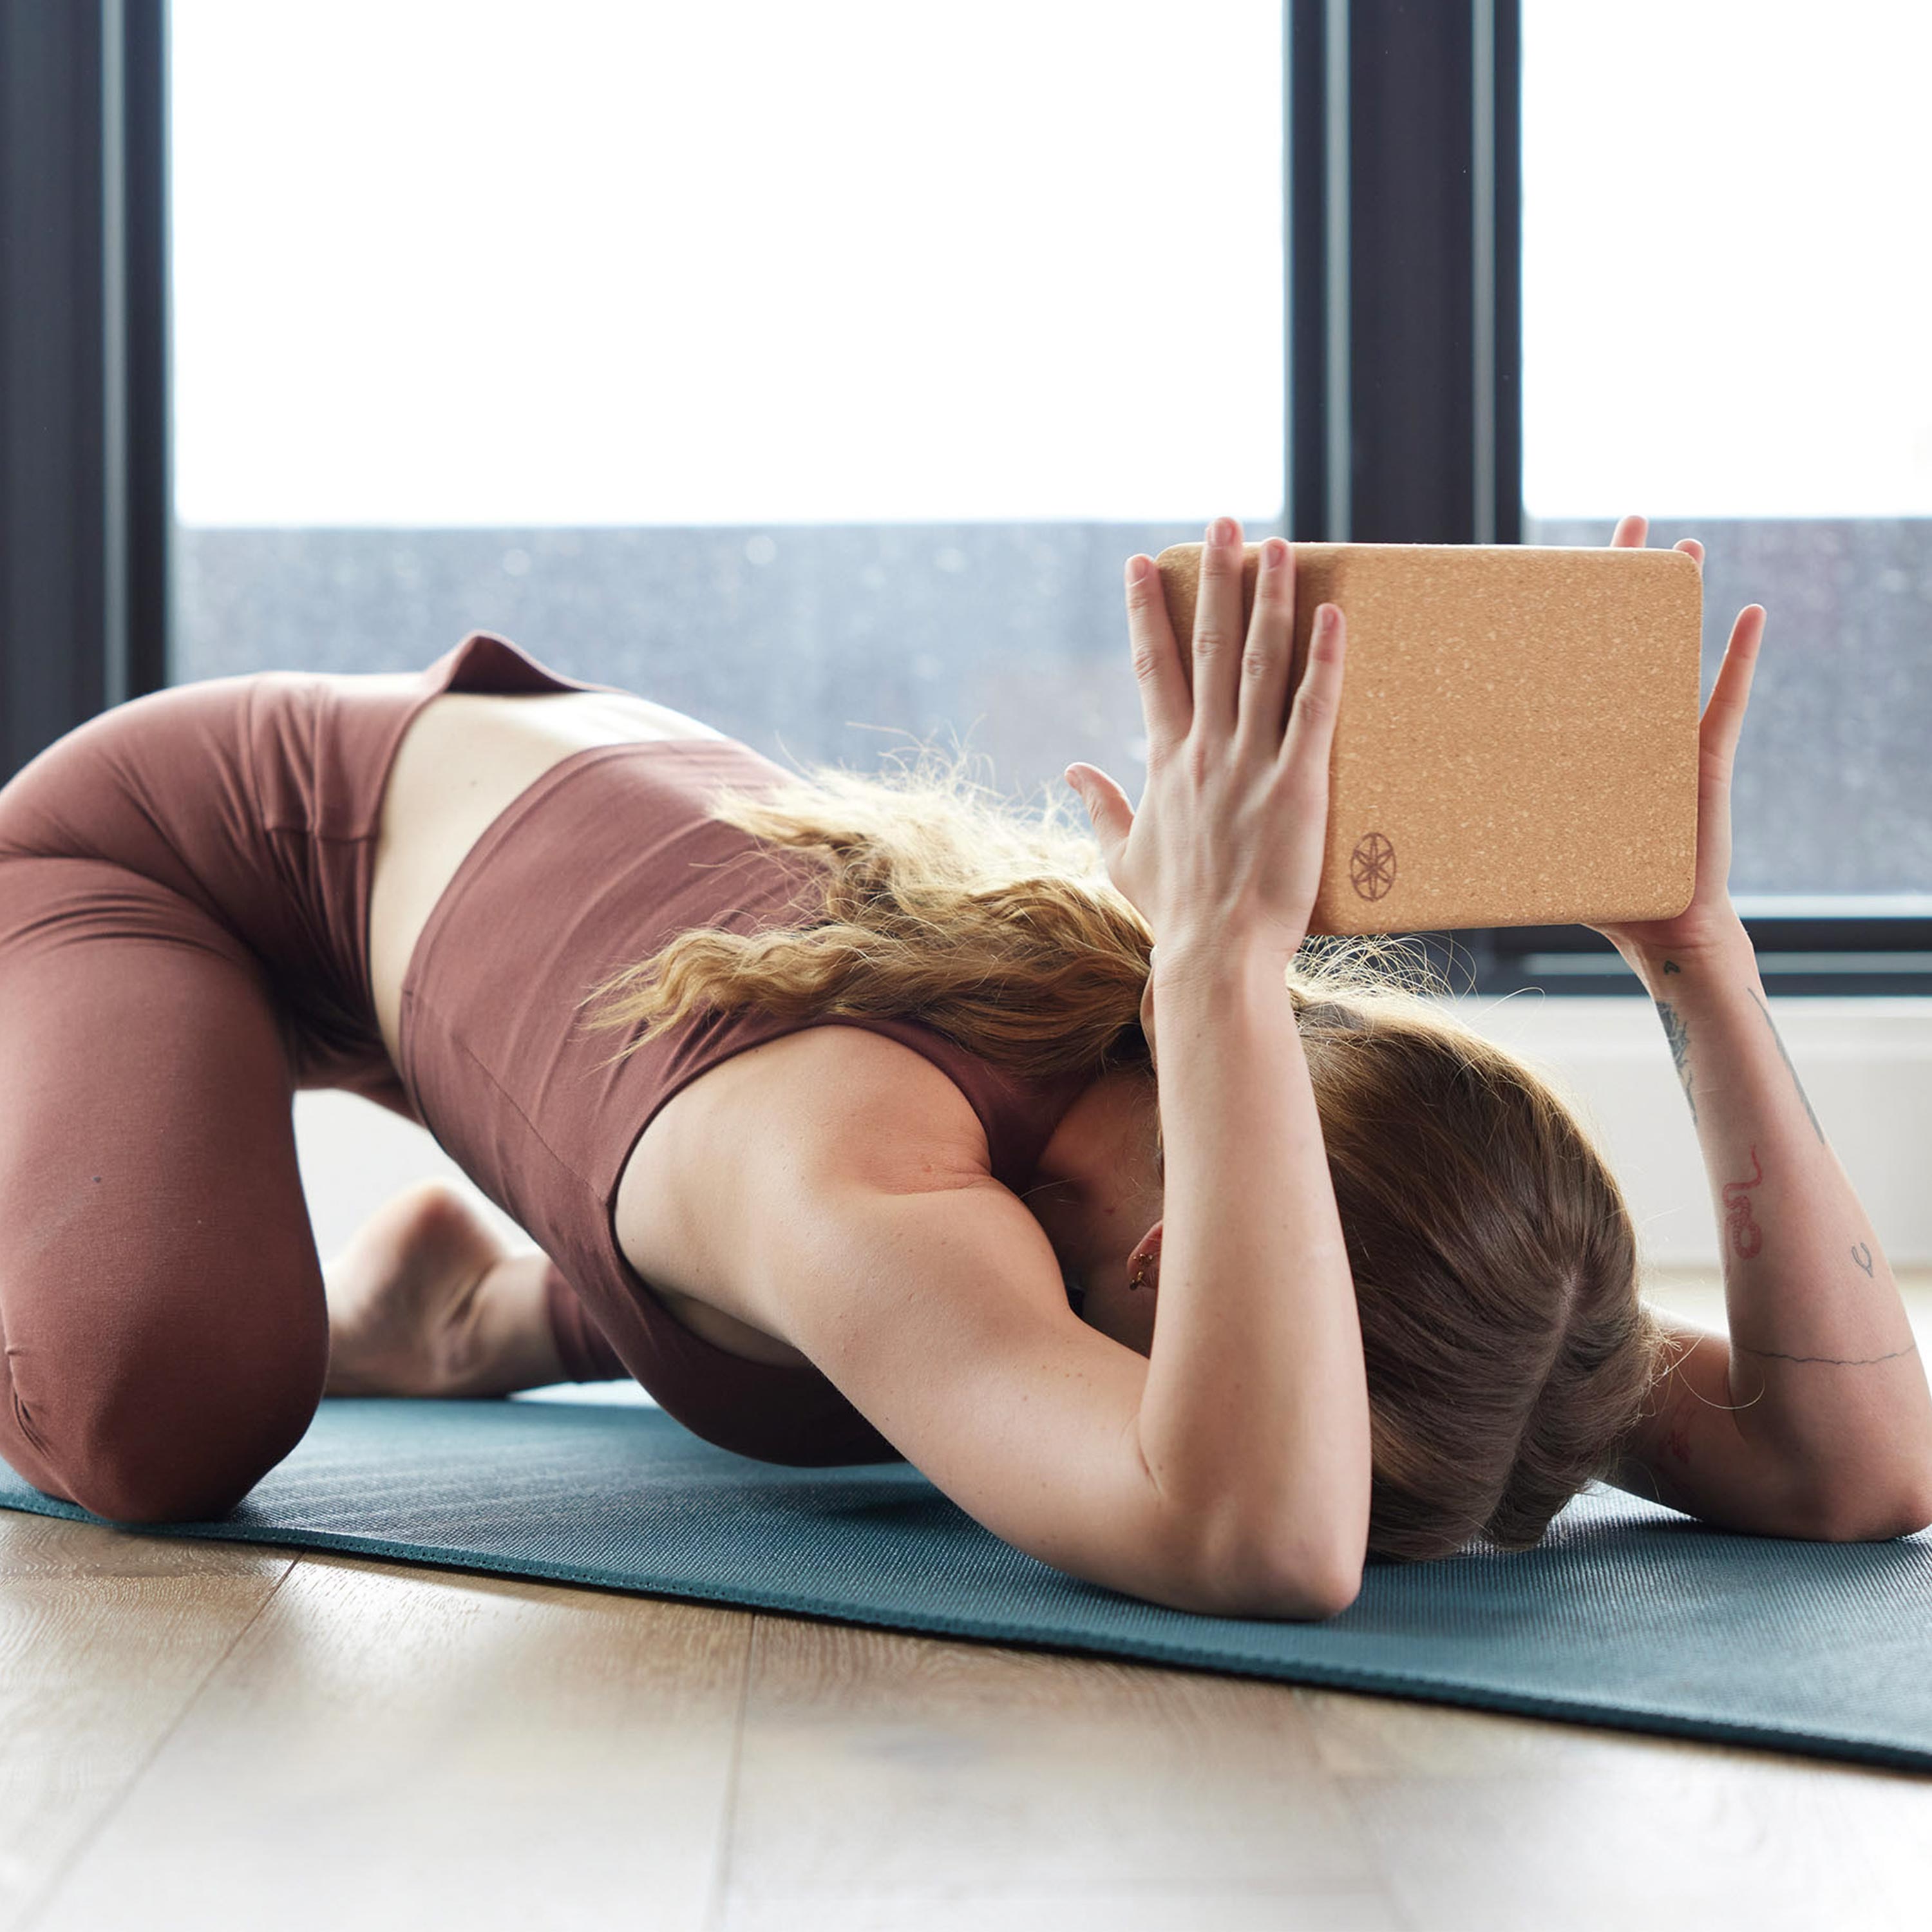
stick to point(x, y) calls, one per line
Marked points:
point(589, 868)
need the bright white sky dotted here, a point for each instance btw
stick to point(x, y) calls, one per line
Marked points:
point(459, 262)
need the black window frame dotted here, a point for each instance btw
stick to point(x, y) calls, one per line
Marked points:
point(1402, 164)
point(85, 508)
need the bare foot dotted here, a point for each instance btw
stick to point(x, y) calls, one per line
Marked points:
point(428, 1299)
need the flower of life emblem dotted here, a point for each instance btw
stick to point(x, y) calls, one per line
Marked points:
point(1372, 866)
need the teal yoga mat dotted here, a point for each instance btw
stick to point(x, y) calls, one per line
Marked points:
point(1627, 1615)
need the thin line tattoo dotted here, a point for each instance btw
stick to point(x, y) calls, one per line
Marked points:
point(1862, 1255)
point(1835, 1361)
point(1679, 1035)
point(1795, 1080)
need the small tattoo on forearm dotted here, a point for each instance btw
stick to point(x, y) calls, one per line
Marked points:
point(1795, 1080)
point(1835, 1361)
point(1678, 1035)
point(1862, 1255)
point(1747, 1237)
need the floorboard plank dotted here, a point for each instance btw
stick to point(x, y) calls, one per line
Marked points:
point(1482, 1820)
point(885, 1774)
point(394, 1747)
point(105, 1638)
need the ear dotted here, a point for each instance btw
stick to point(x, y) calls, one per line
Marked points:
point(1146, 1014)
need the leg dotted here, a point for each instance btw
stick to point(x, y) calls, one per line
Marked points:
point(161, 1310)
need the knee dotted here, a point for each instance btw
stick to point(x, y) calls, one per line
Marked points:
point(162, 1456)
point(146, 1488)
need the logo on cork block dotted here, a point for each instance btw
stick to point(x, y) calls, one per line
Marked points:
point(1372, 866)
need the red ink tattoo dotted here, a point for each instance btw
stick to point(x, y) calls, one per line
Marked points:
point(1677, 1444)
point(1747, 1237)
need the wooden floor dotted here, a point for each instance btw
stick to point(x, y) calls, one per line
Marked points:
point(215, 1736)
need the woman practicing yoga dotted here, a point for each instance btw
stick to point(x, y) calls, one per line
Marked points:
point(831, 1105)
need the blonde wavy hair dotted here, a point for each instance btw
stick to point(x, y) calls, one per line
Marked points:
point(1507, 1350)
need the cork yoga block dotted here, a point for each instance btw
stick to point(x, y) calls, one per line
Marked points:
point(1517, 739)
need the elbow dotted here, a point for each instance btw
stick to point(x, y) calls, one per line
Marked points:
point(1300, 1594)
point(1299, 1584)
point(1917, 1513)
point(1297, 1561)
point(1915, 1499)
point(1882, 1525)
point(1875, 1514)
point(1318, 1593)
point(1313, 1600)
point(1866, 1526)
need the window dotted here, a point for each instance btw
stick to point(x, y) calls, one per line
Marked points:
point(1724, 289)
point(823, 400)
point(814, 370)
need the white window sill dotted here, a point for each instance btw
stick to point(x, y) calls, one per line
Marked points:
point(1865, 1064)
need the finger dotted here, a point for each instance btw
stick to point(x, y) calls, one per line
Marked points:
point(1162, 678)
point(1107, 809)
point(1217, 632)
point(1632, 531)
point(1267, 658)
point(1723, 722)
point(1317, 702)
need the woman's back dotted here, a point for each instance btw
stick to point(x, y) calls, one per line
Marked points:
point(532, 838)
point(465, 756)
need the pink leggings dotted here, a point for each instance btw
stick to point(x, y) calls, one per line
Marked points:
point(184, 885)
point(160, 1296)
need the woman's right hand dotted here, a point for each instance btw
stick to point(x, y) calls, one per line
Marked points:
point(1226, 848)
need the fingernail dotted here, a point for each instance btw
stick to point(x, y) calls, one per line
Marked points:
point(1220, 531)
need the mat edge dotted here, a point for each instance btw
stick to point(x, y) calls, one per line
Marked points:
point(1461, 1694)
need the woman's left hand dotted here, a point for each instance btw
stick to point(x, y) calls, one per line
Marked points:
point(1710, 919)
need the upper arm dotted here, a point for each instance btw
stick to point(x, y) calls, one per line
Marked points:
point(1688, 1451)
point(940, 1316)
point(929, 1295)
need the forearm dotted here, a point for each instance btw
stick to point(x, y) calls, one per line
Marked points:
point(1254, 1424)
point(1830, 1390)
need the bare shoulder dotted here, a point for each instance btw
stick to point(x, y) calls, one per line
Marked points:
point(830, 1104)
point(836, 1094)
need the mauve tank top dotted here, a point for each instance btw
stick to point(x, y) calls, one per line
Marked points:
point(590, 869)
